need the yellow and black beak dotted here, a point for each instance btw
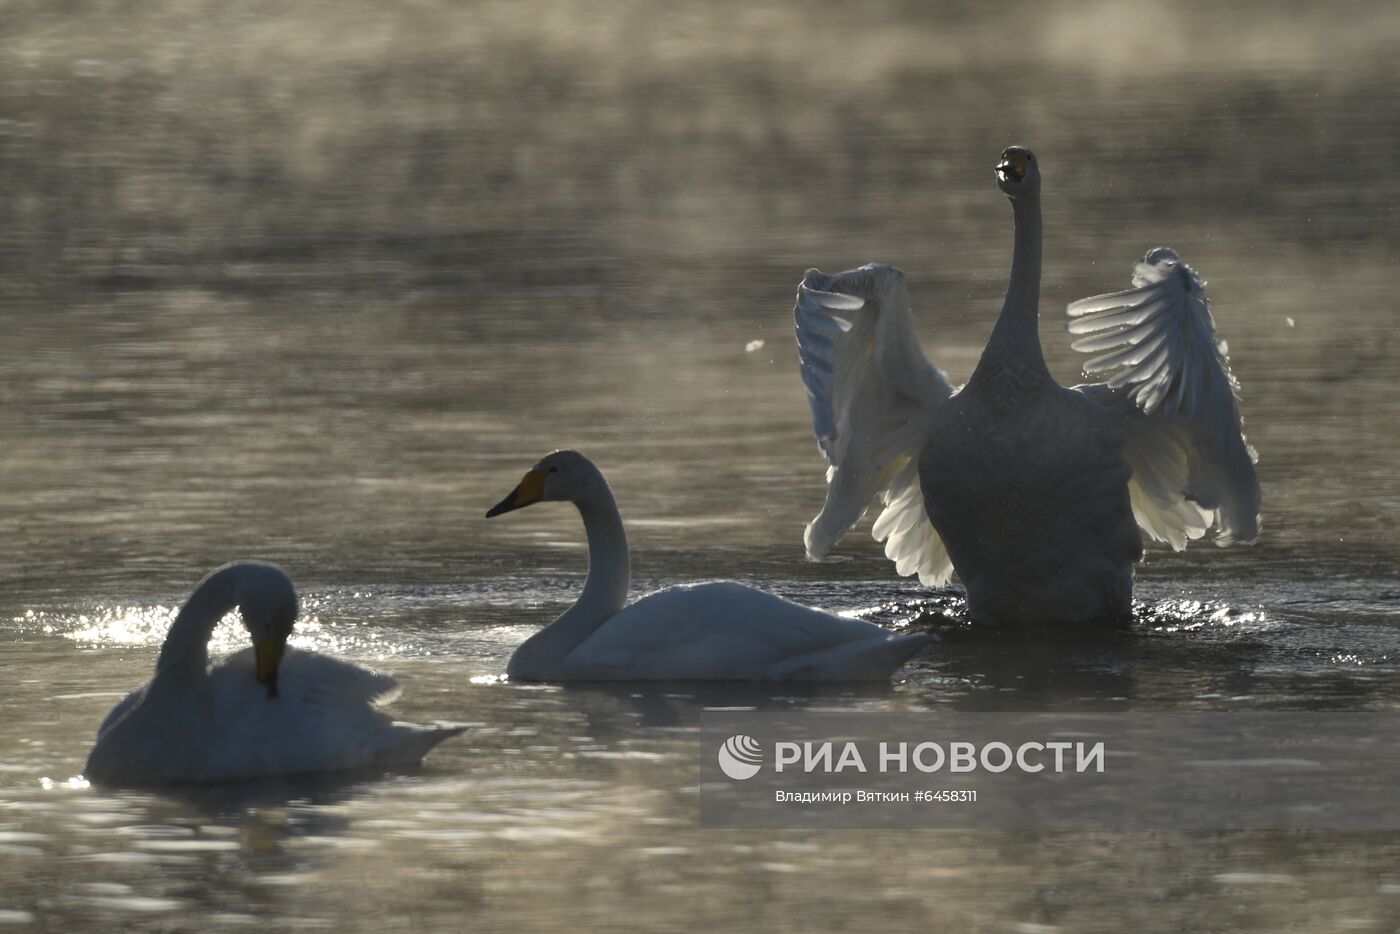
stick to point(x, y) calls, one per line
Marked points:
point(529, 490)
point(268, 652)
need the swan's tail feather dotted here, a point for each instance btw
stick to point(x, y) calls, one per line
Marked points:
point(862, 660)
point(408, 743)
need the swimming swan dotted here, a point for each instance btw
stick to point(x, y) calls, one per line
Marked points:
point(714, 631)
point(1026, 489)
point(254, 713)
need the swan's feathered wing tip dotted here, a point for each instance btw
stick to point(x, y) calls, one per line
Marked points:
point(1192, 466)
point(910, 539)
point(852, 288)
point(840, 320)
point(816, 542)
point(872, 394)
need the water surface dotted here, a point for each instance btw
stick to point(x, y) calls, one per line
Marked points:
point(318, 285)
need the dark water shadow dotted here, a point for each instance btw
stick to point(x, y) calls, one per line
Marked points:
point(1181, 650)
point(613, 709)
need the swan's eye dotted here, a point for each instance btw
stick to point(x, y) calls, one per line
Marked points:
point(554, 470)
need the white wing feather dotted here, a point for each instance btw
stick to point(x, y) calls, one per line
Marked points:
point(873, 394)
point(1192, 468)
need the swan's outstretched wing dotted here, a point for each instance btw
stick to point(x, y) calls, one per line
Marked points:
point(873, 394)
point(1192, 468)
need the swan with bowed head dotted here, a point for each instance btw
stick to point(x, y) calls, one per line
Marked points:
point(261, 712)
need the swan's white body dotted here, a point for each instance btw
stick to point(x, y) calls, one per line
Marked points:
point(713, 631)
point(1034, 493)
point(194, 722)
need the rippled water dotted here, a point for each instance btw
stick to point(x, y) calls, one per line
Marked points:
point(317, 285)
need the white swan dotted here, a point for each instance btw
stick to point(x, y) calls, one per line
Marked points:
point(255, 713)
point(714, 631)
point(1027, 489)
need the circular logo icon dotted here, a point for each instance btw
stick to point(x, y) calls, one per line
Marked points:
point(740, 757)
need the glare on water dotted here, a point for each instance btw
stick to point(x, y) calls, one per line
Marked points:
point(317, 285)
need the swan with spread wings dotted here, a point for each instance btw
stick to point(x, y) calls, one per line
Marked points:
point(1035, 494)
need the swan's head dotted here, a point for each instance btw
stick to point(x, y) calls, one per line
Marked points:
point(1017, 173)
point(563, 475)
point(267, 601)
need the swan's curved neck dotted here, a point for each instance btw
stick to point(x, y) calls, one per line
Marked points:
point(604, 592)
point(186, 646)
point(1014, 347)
point(609, 561)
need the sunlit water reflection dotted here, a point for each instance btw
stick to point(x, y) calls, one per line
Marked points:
point(317, 285)
point(566, 790)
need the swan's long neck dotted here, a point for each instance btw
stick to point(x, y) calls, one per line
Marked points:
point(604, 591)
point(186, 646)
point(609, 561)
point(1014, 347)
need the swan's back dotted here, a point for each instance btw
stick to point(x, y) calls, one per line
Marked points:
point(324, 719)
point(728, 631)
point(1030, 494)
